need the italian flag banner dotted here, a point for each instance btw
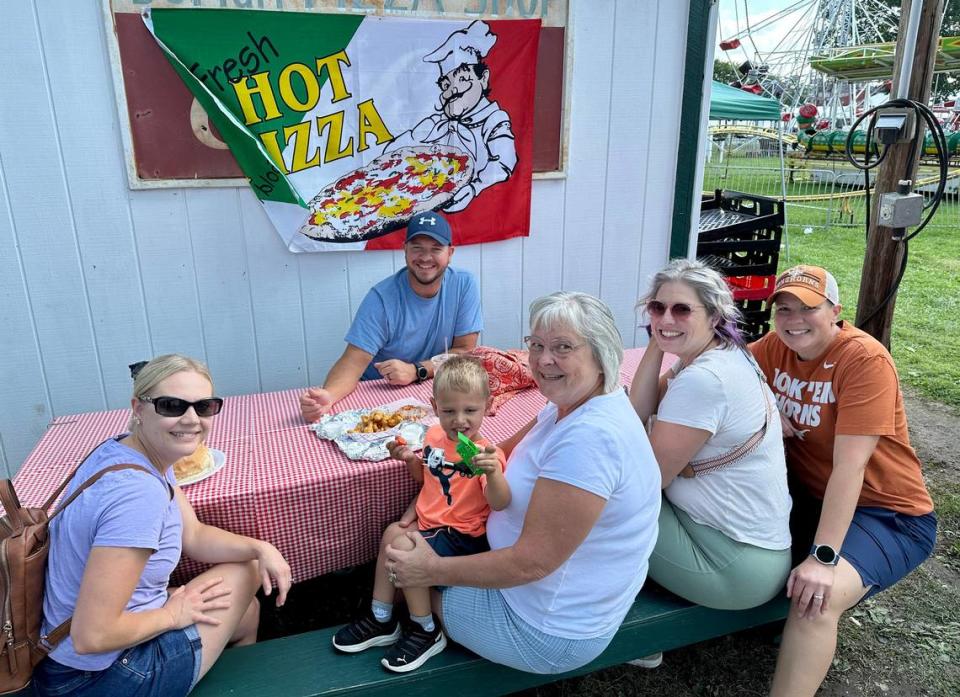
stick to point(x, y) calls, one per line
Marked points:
point(349, 125)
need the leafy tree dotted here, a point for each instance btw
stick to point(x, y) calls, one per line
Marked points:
point(725, 71)
point(945, 85)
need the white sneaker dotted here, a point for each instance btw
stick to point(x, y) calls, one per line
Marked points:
point(651, 661)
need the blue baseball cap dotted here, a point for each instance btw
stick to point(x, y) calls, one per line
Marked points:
point(432, 224)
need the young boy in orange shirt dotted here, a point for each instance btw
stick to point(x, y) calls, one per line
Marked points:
point(451, 511)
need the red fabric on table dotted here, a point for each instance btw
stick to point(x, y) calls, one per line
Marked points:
point(281, 483)
point(509, 373)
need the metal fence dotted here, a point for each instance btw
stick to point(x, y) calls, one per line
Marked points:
point(823, 196)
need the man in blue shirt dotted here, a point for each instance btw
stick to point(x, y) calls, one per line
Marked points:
point(426, 308)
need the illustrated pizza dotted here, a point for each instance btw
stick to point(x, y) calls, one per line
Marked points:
point(386, 193)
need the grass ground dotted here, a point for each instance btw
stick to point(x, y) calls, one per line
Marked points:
point(926, 327)
point(761, 175)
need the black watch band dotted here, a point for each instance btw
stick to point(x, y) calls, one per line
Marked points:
point(422, 373)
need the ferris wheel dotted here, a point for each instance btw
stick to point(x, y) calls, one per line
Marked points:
point(772, 53)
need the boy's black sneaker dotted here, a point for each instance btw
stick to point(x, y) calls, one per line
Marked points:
point(415, 646)
point(366, 632)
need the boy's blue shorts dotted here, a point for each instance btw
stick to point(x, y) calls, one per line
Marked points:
point(450, 542)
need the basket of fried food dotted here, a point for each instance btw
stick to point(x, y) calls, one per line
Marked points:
point(363, 434)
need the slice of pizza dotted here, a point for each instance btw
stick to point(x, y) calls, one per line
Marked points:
point(386, 193)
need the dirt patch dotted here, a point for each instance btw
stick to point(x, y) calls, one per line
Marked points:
point(935, 435)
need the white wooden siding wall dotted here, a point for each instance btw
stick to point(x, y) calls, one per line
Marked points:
point(94, 276)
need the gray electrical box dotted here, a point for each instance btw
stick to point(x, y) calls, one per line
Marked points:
point(895, 125)
point(898, 210)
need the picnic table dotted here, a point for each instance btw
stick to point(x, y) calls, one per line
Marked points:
point(281, 483)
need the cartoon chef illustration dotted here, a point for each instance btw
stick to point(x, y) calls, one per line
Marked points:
point(465, 118)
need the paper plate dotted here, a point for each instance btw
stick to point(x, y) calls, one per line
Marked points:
point(217, 459)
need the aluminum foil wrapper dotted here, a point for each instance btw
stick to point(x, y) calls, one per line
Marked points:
point(366, 446)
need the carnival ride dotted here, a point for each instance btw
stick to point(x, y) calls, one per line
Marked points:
point(832, 71)
point(832, 62)
point(809, 31)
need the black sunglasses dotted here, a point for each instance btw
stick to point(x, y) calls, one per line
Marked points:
point(174, 406)
point(655, 308)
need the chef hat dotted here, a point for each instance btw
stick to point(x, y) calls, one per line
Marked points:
point(466, 46)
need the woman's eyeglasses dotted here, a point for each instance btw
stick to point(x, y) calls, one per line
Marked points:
point(558, 348)
point(655, 308)
point(174, 406)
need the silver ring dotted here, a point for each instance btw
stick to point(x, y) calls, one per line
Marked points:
point(392, 577)
point(818, 596)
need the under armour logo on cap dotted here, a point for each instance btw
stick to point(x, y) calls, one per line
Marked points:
point(433, 224)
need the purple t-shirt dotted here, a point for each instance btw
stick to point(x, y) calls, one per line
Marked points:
point(129, 508)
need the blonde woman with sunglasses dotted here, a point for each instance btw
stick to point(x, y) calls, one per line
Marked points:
point(724, 538)
point(113, 549)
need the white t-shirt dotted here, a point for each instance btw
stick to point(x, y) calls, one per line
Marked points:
point(747, 500)
point(600, 447)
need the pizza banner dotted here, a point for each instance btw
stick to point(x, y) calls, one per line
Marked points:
point(347, 126)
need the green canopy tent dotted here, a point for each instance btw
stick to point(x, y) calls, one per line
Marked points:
point(731, 103)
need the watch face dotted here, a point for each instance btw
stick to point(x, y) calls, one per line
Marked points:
point(826, 554)
point(421, 372)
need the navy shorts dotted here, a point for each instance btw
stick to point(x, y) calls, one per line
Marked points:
point(450, 542)
point(882, 545)
point(166, 666)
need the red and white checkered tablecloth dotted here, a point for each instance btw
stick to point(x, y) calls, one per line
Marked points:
point(281, 483)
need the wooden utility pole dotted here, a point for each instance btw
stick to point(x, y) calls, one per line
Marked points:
point(881, 263)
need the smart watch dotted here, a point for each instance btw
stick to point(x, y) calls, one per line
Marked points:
point(825, 554)
point(422, 373)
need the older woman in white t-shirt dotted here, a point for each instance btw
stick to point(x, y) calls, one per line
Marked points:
point(724, 537)
point(569, 553)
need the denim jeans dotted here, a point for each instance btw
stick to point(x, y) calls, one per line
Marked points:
point(165, 666)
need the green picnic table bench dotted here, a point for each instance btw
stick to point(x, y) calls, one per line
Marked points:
point(307, 664)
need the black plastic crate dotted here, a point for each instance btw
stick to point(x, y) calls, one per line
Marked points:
point(740, 237)
point(756, 319)
point(740, 233)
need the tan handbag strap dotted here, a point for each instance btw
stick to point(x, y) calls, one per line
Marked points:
point(748, 446)
point(11, 504)
point(49, 642)
point(63, 484)
point(93, 480)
